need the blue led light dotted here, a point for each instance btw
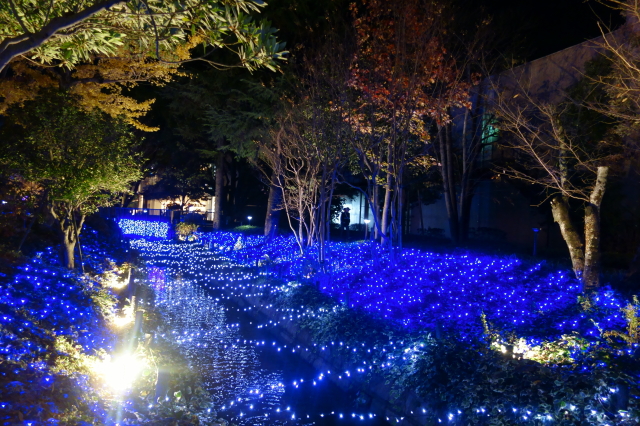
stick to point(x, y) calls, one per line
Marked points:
point(144, 228)
point(418, 291)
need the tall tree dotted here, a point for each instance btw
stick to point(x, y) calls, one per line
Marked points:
point(406, 82)
point(77, 159)
point(567, 150)
point(622, 85)
point(243, 113)
point(108, 47)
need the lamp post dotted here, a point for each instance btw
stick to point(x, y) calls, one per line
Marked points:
point(366, 228)
point(249, 219)
point(535, 240)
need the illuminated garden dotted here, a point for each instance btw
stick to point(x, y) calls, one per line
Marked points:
point(327, 212)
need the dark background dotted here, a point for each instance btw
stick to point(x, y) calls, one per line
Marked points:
point(546, 26)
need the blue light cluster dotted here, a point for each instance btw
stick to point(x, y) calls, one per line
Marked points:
point(420, 290)
point(187, 280)
point(144, 228)
point(39, 305)
point(425, 290)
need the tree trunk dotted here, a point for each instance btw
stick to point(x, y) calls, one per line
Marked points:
point(217, 209)
point(560, 210)
point(400, 217)
point(385, 210)
point(469, 156)
point(76, 233)
point(446, 184)
point(273, 210)
point(453, 218)
point(423, 231)
point(375, 209)
point(327, 218)
point(276, 194)
point(591, 275)
point(68, 250)
point(67, 246)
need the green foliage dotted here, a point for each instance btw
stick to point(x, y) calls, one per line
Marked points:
point(74, 161)
point(632, 316)
point(567, 380)
point(243, 113)
point(77, 159)
point(162, 30)
point(185, 230)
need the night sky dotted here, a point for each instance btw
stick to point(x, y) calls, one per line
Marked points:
point(547, 26)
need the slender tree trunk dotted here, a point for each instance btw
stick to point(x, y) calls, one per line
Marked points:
point(591, 275)
point(560, 210)
point(469, 155)
point(447, 183)
point(327, 218)
point(464, 178)
point(423, 231)
point(452, 185)
point(400, 216)
point(375, 209)
point(273, 210)
point(275, 193)
point(385, 210)
point(76, 231)
point(301, 218)
point(217, 209)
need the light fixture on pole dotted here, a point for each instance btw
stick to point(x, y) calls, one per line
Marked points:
point(366, 228)
point(535, 240)
point(249, 219)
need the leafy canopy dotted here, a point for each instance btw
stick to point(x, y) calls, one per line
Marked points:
point(69, 32)
point(78, 159)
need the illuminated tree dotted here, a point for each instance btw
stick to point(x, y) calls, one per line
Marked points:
point(622, 85)
point(69, 32)
point(567, 150)
point(100, 49)
point(406, 82)
point(79, 160)
point(304, 152)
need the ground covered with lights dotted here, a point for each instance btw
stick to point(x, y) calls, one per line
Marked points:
point(427, 338)
point(456, 338)
point(67, 355)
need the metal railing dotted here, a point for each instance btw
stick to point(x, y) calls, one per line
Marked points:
point(172, 215)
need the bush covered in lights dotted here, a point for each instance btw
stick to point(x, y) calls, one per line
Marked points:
point(481, 339)
point(144, 228)
point(424, 290)
point(60, 350)
point(52, 333)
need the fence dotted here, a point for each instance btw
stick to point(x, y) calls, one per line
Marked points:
point(171, 215)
